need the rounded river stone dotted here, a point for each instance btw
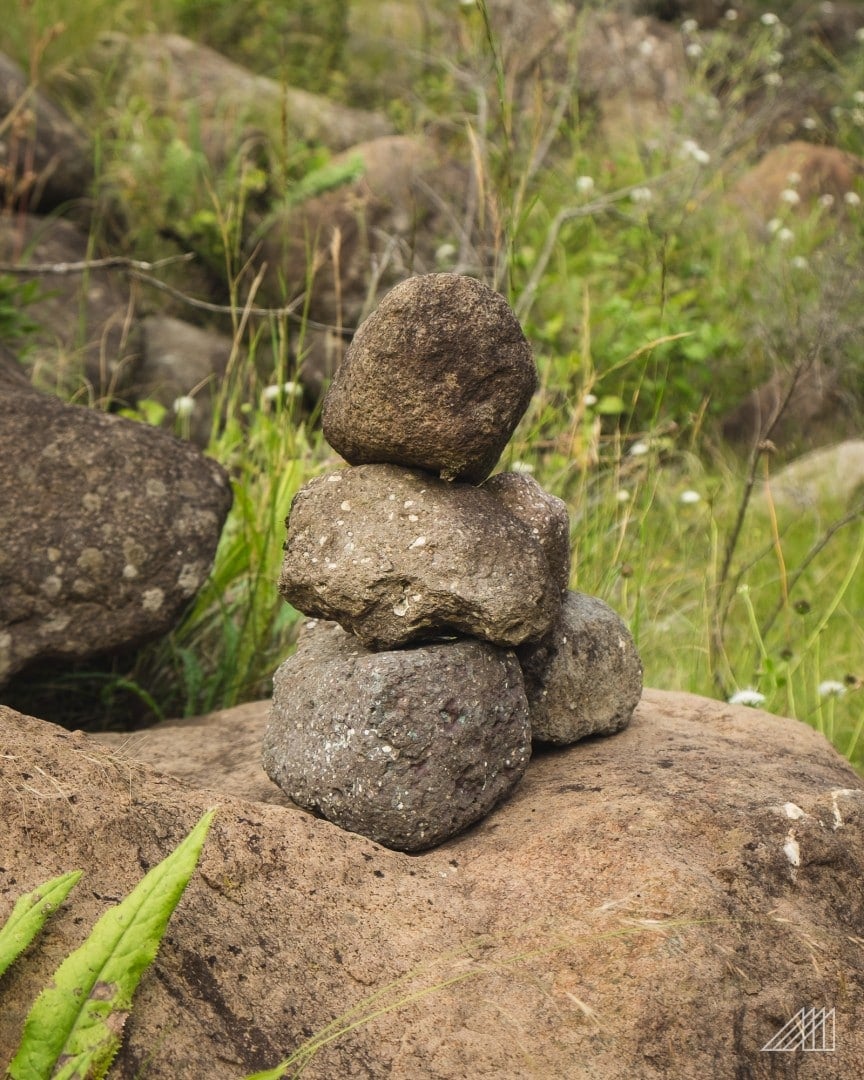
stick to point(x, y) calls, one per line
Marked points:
point(396, 555)
point(406, 748)
point(437, 378)
point(585, 676)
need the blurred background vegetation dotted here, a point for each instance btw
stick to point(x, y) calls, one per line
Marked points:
point(651, 305)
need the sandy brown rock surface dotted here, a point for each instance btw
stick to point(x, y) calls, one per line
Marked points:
point(655, 904)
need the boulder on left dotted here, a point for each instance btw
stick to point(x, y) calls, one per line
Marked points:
point(108, 527)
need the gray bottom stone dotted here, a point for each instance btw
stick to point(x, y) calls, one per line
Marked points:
point(406, 747)
point(584, 677)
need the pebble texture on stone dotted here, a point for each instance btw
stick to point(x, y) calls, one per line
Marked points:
point(585, 677)
point(108, 528)
point(396, 555)
point(437, 377)
point(406, 748)
point(544, 514)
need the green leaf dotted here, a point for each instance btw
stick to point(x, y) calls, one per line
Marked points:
point(326, 178)
point(74, 1027)
point(610, 406)
point(29, 915)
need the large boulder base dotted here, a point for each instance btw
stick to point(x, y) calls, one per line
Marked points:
point(424, 743)
point(635, 909)
point(109, 528)
point(395, 555)
point(585, 676)
point(437, 377)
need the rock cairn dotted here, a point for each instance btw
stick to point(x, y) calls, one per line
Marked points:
point(443, 637)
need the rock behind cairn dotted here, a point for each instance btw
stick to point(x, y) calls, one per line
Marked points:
point(437, 378)
point(407, 748)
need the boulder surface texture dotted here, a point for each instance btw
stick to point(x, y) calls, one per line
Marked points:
point(437, 377)
point(424, 742)
point(109, 528)
point(650, 906)
point(396, 555)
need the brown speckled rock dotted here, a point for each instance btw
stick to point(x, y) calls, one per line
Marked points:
point(545, 515)
point(407, 748)
point(585, 676)
point(437, 377)
point(396, 555)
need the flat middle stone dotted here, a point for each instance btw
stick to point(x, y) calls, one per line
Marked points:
point(395, 556)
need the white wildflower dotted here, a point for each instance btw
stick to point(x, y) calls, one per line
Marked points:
point(690, 148)
point(799, 263)
point(524, 467)
point(809, 123)
point(775, 58)
point(711, 106)
point(730, 15)
point(790, 195)
point(747, 696)
point(852, 198)
point(831, 688)
point(859, 34)
point(785, 236)
point(774, 225)
point(694, 50)
point(622, 495)
point(589, 400)
point(184, 406)
point(646, 46)
point(639, 449)
point(584, 184)
point(773, 78)
point(689, 497)
point(689, 26)
point(826, 201)
point(641, 194)
point(275, 391)
point(444, 253)
point(858, 97)
point(769, 19)
point(793, 179)
point(858, 117)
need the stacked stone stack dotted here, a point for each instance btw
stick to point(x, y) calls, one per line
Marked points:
point(444, 638)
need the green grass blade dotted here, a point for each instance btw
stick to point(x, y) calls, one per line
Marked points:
point(74, 1027)
point(29, 915)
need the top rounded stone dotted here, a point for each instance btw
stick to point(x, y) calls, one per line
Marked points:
point(436, 378)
